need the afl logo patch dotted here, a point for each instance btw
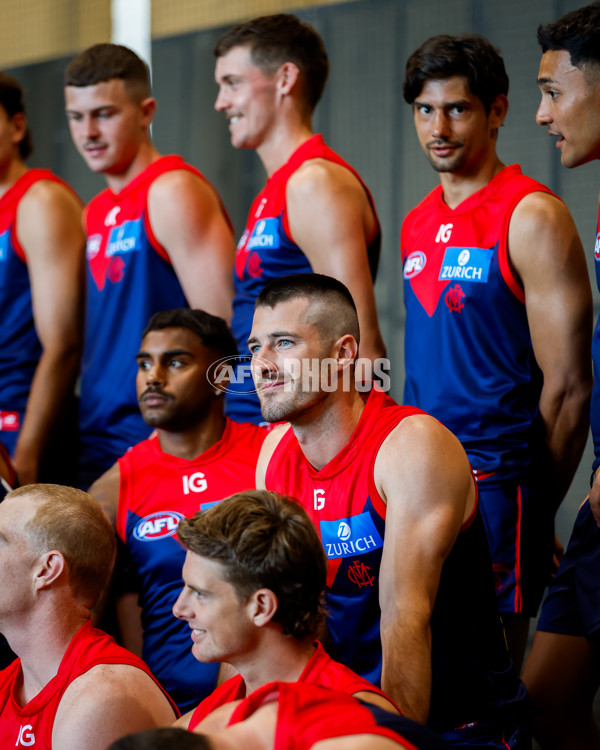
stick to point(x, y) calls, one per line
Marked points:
point(597, 247)
point(414, 264)
point(157, 525)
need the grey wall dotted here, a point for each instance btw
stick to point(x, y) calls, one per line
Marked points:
point(362, 115)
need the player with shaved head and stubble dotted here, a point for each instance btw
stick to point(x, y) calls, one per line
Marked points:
point(409, 590)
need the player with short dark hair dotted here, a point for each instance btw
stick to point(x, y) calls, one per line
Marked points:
point(158, 238)
point(409, 591)
point(41, 297)
point(71, 686)
point(498, 309)
point(254, 578)
point(196, 458)
point(315, 213)
point(562, 671)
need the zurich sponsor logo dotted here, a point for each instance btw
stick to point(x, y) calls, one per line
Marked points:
point(414, 264)
point(4, 239)
point(264, 234)
point(125, 238)
point(93, 245)
point(157, 526)
point(466, 263)
point(349, 537)
point(596, 247)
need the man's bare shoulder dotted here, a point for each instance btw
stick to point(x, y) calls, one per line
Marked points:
point(321, 175)
point(46, 192)
point(106, 491)
point(106, 702)
point(175, 184)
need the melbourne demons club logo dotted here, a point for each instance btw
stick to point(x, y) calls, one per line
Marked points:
point(358, 573)
point(454, 298)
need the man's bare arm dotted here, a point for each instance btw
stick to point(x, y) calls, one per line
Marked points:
point(187, 220)
point(50, 231)
point(106, 491)
point(546, 252)
point(423, 475)
point(330, 219)
point(107, 702)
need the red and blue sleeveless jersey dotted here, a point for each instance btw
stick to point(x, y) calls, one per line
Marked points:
point(32, 724)
point(20, 348)
point(595, 406)
point(308, 714)
point(320, 669)
point(267, 251)
point(471, 670)
point(468, 351)
point(129, 277)
point(156, 491)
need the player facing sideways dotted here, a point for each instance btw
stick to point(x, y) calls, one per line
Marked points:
point(315, 213)
point(254, 583)
point(158, 238)
point(562, 672)
point(72, 685)
point(196, 458)
point(41, 298)
point(409, 590)
point(498, 307)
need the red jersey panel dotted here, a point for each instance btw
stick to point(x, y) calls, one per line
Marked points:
point(321, 669)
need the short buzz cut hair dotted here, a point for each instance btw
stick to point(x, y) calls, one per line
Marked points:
point(333, 310)
point(279, 38)
point(469, 55)
point(73, 523)
point(104, 62)
point(12, 100)
point(265, 540)
point(578, 33)
point(213, 331)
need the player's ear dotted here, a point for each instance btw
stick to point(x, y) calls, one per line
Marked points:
point(19, 126)
point(287, 77)
point(148, 107)
point(498, 112)
point(50, 567)
point(263, 605)
point(345, 350)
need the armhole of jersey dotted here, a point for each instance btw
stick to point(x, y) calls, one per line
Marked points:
point(278, 449)
point(507, 274)
point(378, 502)
point(121, 524)
point(468, 521)
point(18, 248)
point(155, 244)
